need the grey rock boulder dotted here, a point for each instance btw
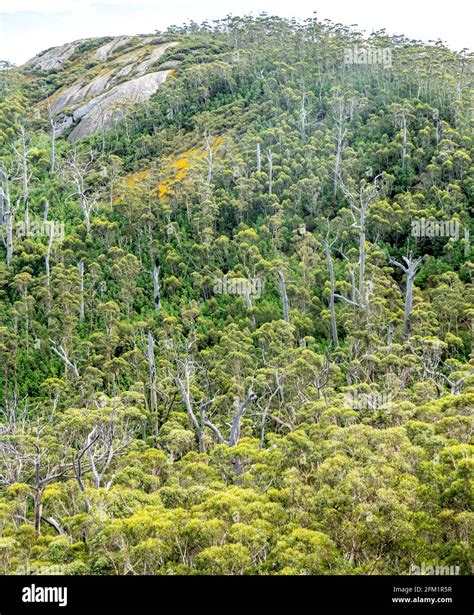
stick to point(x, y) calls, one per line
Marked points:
point(101, 112)
point(153, 57)
point(106, 50)
point(54, 58)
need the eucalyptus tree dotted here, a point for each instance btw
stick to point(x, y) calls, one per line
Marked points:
point(410, 269)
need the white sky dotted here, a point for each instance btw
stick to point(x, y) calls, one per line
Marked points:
point(29, 26)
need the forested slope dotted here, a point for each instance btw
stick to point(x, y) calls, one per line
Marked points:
point(236, 318)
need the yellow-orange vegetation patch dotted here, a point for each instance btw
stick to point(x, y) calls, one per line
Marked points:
point(174, 170)
point(139, 176)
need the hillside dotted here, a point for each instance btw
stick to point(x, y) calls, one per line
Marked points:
point(236, 303)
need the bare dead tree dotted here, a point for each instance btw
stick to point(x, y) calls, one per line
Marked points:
point(102, 444)
point(401, 115)
point(53, 523)
point(48, 254)
point(249, 304)
point(284, 296)
point(156, 286)
point(101, 460)
point(339, 117)
point(432, 364)
point(359, 208)
point(14, 414)
point(22, 153)
point(185, 369)
point(47, 258)
point(81, 290)
point(321, 378)
point(404, 140)
point(268, 402)
point(237, 420)
point(455, 385)
point(78, 169)
point(29, 454)
point(410, 269)
point(54, 129)
point(359, 204)
point(270, 171)
point(150, 355)
point(46, 210)
point(62, 354)
point(8, 211)
point(303, 115)
point(332, 287)
point(79, 470)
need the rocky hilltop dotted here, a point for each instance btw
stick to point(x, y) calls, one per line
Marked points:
point(103, 79)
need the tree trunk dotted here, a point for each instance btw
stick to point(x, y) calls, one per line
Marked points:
point(156, 286)
point(408, 305)
point(235, 429)
point(8, 214)
point(404, 148)
point(152, 372)
point(46, 211)
point(81, 291)
point(259, 159)
point(186, 397)
point(410, 271)
point(24, 166)
point(303, 116)
point(38, 510)
point(270, 172)
point(9, 225)
point(284, 296)
point(332, 310)
point(249, 304)
point(361, 250)
point(86, 213)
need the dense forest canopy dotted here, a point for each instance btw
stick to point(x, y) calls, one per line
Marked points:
point(236, 321)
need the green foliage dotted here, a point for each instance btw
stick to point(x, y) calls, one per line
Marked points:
point(185, 387)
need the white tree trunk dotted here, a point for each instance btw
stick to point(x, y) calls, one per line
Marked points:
point(156, 286)
point(259, 159)
point(81, 290)
point(332, 310)
point(152, 372)
point(284, 296)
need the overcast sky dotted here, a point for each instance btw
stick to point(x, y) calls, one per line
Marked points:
point(29, 26)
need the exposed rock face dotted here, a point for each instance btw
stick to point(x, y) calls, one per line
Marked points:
point(154, 56)
point(123, 72)
point(102, 111)
point(55, 57)
point(77, 92)
point(65, 97)
point(104, 52)
point(97, 99)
